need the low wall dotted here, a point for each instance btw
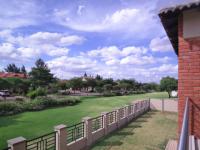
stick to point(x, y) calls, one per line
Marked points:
point(79, 144)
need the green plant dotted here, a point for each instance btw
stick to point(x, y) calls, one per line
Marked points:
point(38, 92)
point(108, 94)
point(8, 108)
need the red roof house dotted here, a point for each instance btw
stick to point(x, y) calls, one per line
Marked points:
point(12, 75)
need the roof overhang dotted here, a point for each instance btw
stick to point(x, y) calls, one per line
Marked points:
point(169, 18)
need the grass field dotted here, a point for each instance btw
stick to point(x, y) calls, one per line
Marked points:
point(33, 124)
point(149, 132)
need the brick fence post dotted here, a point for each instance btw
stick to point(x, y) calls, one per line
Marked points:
point(61, 137)
point(88, 130)
point(18, 143)
point(127, 107)
point(117, 118)
point(105, 122)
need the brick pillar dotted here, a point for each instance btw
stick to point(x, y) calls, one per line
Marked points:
point(105, 122)
point(189, 79)
point(127, 114)
point(117, 118)
point(18, 143)
point(61, 137)
point(88, 130)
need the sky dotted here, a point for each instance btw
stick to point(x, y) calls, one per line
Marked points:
point(112, 38)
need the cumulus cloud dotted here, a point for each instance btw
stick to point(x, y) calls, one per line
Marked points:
point(114, 52)
point(66, 67)
point(36, 44)
point(127, 20)
point(160, 44)
point(16, 14)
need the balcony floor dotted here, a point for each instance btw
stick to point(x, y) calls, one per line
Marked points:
point(149, 132)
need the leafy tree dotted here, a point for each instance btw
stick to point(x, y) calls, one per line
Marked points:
point(4, 84)
point(108, 87)
point(62, 84)
point(12, 68)
point(98, 77)
point(18, 85)
point(23, 70)
point(91, 83)
point(168, 84)
point(109, 81)
point(76, 83)
point(40, 74)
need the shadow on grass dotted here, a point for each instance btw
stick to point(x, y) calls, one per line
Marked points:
point(116, 138)
point(9, 120)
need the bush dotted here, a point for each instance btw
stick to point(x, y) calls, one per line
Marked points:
point(33, 105)
point(37, 92)
point(108, 94)
point(138, 92)
point(8, 108)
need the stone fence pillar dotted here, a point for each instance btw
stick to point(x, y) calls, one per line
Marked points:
point(18, 143)
point(88, 130)
point(61, 137)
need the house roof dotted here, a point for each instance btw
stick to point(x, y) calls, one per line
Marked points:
point(12, 75)
point(169, 18)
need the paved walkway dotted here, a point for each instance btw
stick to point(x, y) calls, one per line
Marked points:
point(170, 105)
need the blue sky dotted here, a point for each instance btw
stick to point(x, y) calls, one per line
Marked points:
point(113, 38)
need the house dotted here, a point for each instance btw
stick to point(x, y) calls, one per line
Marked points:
point(182, 25)
point(12, 75)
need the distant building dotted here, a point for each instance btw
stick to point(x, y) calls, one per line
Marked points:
point(12, 75)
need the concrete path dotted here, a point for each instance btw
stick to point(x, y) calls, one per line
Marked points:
point(170, 105)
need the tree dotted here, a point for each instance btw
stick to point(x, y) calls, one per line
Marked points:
point(98, 77)
point(108, 87)
point(91, 83)
point(23, 70)
point(168, 84)
point(40, 74)
point(12, 68)
point(4, 84)
point(76, 83)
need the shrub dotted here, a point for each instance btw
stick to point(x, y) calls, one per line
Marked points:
point(108, 94)
point(32, 94)
point(33, 105)
point(38, 92)
point(8, 108)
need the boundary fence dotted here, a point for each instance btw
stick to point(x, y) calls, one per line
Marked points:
point(84, 134)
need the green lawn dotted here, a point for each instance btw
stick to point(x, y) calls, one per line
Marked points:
point(149, 132)
point(33, 124)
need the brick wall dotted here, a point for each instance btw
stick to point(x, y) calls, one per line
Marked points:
point(189, 79)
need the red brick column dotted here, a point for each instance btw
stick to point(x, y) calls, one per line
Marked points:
point(189, 79)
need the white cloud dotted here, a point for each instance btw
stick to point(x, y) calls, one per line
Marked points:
point(113, 52)
point(16, 14)
point(140, 22)
point(80, 9)
point(50, 38)
point(135, 60)
point(67, 67)
point(36, 44)
point(160, 44)
point(166, 68)
point(28, 52)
